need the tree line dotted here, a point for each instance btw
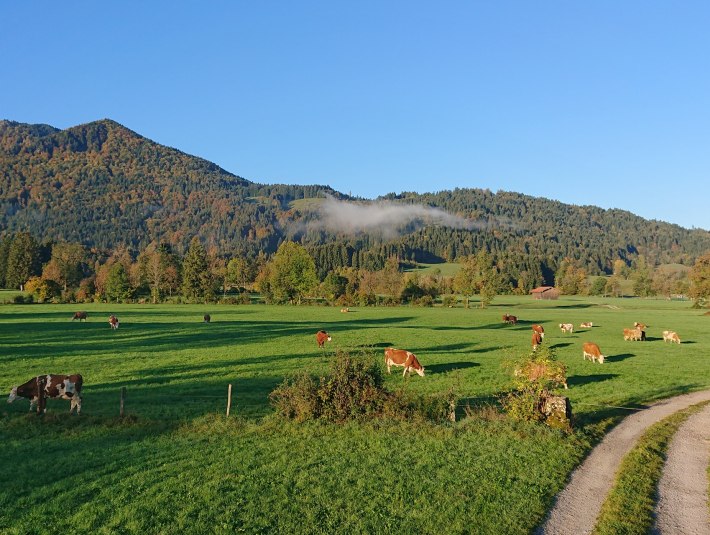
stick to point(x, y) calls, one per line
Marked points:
point(71, 272)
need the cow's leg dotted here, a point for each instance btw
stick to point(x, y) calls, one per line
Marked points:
point(406, 369)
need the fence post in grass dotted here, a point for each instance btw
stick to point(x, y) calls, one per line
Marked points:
point(452, 410)
point(123, 399)
point(229, 398)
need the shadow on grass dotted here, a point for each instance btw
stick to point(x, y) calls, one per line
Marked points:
point(619, 358)
point(580, 380)
point(561, 344)
point(450, 366)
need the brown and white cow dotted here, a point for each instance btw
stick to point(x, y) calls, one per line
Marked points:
point(586, 325)
point(113, 321)
point(346, 309)
point(402, 357)
point(671, 336)
point(510, 319)
point(591, 350)
point(633, 334)
point(322, 337)
point(80, 316)
point(39, 388)
point(539, 329)
point(566, 327)
point(536, 340)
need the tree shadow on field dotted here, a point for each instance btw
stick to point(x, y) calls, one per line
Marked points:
point(450, 366)
point(379, 345)
point(619, 358)
point(580, 380)
point(450, 348)
point(58, 339)
point(560, 344)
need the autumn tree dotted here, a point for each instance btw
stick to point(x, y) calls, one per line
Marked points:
point(700, 278)
point(240, 272)
point(292, 273)
point(642, 278)
point(479, 275)
point(571, 279)
point(66, 266)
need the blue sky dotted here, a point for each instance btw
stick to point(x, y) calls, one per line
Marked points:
point(604, 103)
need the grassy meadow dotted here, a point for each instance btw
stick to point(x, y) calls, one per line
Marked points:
point(176, 464)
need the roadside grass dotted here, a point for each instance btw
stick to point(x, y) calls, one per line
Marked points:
point(175, 464)
point(628, 510)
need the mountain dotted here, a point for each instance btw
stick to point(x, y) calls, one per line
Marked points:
point(102, 185)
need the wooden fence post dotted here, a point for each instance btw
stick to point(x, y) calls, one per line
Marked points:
point(229, 398)
point(123, 399)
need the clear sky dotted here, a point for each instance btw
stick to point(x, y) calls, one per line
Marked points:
point(604, 103)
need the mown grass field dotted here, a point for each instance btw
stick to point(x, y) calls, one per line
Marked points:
point(177, 465)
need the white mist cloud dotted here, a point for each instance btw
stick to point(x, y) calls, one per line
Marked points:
point(384, 217)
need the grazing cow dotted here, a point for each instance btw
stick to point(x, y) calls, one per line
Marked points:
point(634, 334)
point(510, 319)
point(401, 357)
point(80, 316)
point(207, 318)
point(322, 337)
point(346, 309)
point(586, 325)
point(591, 350)
point(539, 329)
point(39, 388)
point(536, 340)
point(566, 327)
point(671, 336)
point(113, 321)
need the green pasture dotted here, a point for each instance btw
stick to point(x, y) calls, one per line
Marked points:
point(176, 464)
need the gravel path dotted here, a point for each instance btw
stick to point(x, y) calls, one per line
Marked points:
point(682, 507)
point(577, 507)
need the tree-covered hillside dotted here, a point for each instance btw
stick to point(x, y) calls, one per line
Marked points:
point(103, 186)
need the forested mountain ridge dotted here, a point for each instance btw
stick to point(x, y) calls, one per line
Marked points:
point(102, 185)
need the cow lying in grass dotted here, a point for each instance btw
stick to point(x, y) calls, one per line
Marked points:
point(39, 388)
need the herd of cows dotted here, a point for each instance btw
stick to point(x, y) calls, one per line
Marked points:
point(40, 388)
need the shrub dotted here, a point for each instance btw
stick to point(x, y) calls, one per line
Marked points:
point(535, 376)
point(353, 389)
point(448, 300)
point(426, 301)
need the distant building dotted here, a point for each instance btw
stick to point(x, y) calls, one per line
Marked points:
point(545, 292)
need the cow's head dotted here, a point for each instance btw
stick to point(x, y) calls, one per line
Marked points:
point(13, 395)
point(601, 359)
point(420, 371)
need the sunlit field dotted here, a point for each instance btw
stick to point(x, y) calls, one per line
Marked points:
point(176, 464)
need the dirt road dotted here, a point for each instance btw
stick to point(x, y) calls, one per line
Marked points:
point(577, 507)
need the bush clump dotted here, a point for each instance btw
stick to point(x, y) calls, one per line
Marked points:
point(353, 390)
point(532, 399)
